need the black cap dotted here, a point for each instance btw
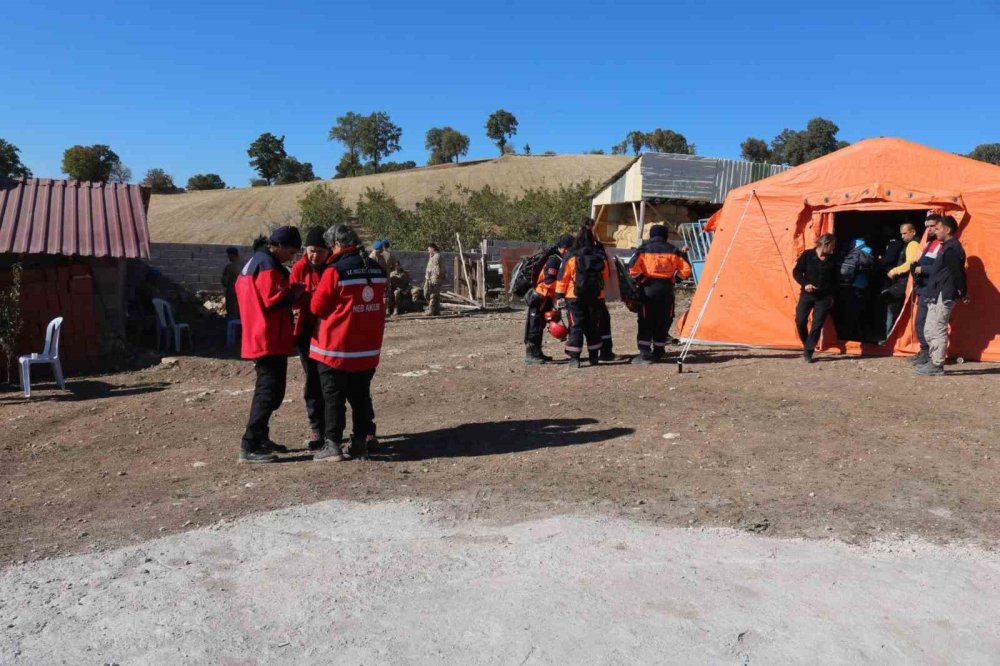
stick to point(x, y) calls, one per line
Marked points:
point(314, 237)
point(287, 236)
point(657, 231)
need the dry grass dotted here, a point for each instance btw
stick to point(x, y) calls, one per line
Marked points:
point(232, 216)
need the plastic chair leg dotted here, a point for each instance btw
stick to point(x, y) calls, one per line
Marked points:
point(26, 378)
point(57, 371)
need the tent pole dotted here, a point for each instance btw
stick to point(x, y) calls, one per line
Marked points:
point(715, 281)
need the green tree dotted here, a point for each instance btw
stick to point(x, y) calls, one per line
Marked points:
point(160, 182)
point(380, 215)
point(596, 151)
point(619, 148)
point(322, 206)
point(446, 145)
point(669, 141)
point(756, 150)
point(293, 171)
point(347, 131)
point(379, 137)
point(348, 166)
point(10, 318)
point(388, 167)
point(798, 147)
point(987, 152)
point(89, 163)
point(527, 149)
point(10, 162)
point(635, 139)
point(205, 181)
point(266, 154)
point(500, 127)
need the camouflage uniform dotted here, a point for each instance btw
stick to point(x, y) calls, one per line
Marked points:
point(432, 283)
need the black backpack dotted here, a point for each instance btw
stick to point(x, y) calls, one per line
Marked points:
point(589, 280)
point(627, 287)
point(526, 273)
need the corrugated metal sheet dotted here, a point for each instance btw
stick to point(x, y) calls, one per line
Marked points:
point(70, 217)
point(683, 177)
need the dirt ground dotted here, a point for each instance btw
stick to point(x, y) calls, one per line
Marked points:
point(853, 449)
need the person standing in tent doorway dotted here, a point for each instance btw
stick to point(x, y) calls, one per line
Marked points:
point(898, 275)
point(921, 277)
point(604, 315)
point(945, 287)
point(855, 292)
point(816, 273)
point(433, 277)
point(655, 266)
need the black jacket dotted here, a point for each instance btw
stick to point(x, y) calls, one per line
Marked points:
point(822, 274)
point(948, 273)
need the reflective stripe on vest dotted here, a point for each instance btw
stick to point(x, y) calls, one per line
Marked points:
point(348, 283)
point(340, 354)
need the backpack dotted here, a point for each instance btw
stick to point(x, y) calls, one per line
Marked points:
point(525, 275)
point(589, 280)
point(856, 263)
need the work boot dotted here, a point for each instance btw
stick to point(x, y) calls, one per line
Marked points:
point(372, 444)
point(533, 355)
point(255, 455)
point(609, 356)
point(807, 356)
point(642, 360)
point(658, 354)
point(356, 447)
point(573, 362)
point(331, 452)
point(595, 358)
point(315, 442)
point(929, 369)
point(273, 447)
point(922, 357)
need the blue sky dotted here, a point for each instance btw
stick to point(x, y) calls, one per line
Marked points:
point(186, 86)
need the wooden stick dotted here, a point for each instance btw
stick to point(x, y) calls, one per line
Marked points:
point(465, 272)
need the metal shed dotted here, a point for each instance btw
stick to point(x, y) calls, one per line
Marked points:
point(666, 188)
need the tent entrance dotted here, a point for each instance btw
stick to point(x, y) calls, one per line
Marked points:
point(861, 313)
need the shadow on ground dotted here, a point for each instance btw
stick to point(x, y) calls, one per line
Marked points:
point(492, 438)
point(82, 389)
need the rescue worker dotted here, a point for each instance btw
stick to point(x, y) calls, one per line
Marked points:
point(307, 272)
point(349, 303)
point(265, 300)
point(229, 275)
point(541, 300)
point(607, 343)
point(433, 278)
point(656, 266)
point(579, 289)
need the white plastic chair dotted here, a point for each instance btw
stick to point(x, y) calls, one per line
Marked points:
point(231, 327)
point(49, 355)
point(166, 322)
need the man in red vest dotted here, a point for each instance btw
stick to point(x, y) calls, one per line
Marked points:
point(266, 299)
point(350, 306)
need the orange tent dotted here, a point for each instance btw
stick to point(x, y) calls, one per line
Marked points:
point(764, 226)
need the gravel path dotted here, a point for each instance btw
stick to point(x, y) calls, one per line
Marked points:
point(389, 583)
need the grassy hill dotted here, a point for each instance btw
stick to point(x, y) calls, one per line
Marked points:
point(236, 215)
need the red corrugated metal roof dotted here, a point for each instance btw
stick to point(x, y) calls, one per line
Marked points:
point(71, 217)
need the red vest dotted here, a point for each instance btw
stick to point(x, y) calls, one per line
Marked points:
point(351, 312)
point(265, 307)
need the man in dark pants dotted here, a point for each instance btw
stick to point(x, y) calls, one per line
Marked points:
point(579, 289)
point(541, 299)
point(945, 288)
point(655, 266)
point(603, 314)
point(817, 274)
point(922, 271)
point(307, 272)
point(350, 306)
point(265, 301)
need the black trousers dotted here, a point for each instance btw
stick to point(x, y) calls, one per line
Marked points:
point(604, 327)
point(584, 323)
point(534, 325)
point(268, 394)
point(340, 388)
point(820, 309)
point(656, 314)
point(919, 321)
point(313, 392)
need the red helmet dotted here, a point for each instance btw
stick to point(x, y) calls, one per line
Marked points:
point(552, 315)
point(558, 331)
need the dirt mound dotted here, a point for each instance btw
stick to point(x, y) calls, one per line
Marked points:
point(228, 216)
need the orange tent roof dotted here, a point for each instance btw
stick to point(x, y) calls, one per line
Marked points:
point(763, 227)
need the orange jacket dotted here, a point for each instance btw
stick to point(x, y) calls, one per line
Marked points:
point(566, 283)
point(549, 277)
point(658, 260)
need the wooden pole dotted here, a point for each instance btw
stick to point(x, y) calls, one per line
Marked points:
point(642, 221)
point(465, 271)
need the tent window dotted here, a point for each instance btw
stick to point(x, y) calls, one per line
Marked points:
point(863, 305)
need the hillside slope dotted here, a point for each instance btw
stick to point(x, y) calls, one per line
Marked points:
point(236, 215)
